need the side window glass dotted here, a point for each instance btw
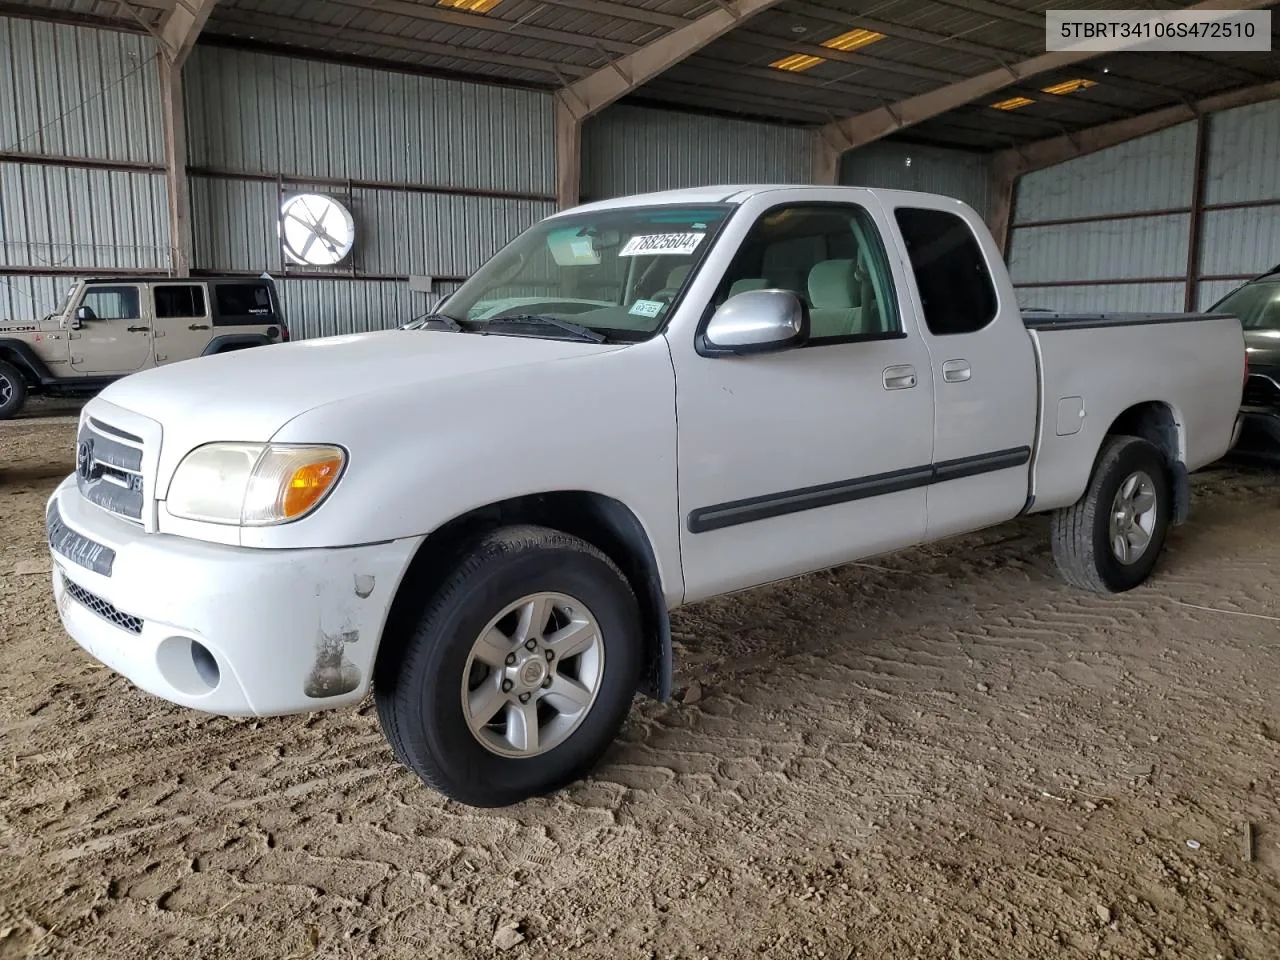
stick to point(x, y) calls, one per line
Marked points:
point(829, 255)
point(956, 292)
point(243, 303)
point(113, 303)
point(179, 301)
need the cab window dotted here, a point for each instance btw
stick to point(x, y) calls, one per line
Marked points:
point(832, 258)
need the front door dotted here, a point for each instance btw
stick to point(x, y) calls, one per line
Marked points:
point(182, 324)
point(115, 336)
point(984, 369)
point(807, 458)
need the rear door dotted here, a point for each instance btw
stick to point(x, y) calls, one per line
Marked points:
point(183, 327)
point(985, 383)
point(116, 337)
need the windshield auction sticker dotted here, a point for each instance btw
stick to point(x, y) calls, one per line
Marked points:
point(658, 244)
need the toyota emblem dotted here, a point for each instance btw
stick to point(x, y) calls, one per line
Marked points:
point(84, 460)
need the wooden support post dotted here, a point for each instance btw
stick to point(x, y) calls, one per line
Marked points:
point(1196, 221)
point(175, 167)
point(826, 161)
point(568, 156)
point(1001, 181)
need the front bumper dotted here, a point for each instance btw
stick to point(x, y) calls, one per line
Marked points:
point(226, 630)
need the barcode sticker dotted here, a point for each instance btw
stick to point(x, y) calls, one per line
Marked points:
point(658, 244)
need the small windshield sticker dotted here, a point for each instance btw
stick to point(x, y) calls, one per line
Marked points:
point(582, 249)
point(646, 308)
point(658, 244)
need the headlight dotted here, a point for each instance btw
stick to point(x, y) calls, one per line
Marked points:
point(253, 484)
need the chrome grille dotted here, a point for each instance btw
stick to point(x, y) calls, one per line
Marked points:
point(95, 604)
point(109, 468)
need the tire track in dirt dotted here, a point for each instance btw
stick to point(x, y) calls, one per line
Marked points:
point(939, 753)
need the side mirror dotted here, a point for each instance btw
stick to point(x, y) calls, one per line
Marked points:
point(757, 321)
point(85, 314)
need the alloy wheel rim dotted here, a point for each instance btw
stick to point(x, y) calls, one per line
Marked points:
point(1133, 517)
point(532, 675)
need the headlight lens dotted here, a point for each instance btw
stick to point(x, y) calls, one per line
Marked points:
point(254, 484)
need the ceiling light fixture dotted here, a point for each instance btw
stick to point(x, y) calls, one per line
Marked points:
point(849, 40)
point(853, 40)
point(1013, 103)
point(471, 6)
point(796, 62)
point(1069, 86)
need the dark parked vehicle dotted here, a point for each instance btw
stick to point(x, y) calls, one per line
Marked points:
point(1257, 304)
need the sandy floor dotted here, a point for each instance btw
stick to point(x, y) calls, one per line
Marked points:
point(944, 754)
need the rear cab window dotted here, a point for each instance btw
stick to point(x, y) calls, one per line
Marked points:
point(957, 294)
point(243, 304)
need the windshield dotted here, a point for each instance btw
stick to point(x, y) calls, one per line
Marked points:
point(1257, 304)
point(616, 272)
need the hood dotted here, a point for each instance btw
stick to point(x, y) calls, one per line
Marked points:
point(250, 394)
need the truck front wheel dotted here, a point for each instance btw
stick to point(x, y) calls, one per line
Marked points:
point(13, 391)
point(1110, 539)
point(520, 672)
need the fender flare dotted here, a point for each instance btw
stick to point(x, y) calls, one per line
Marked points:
point(20, 354)
point(237, 340)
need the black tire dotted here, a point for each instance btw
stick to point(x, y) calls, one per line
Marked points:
point(1080, 533)
point(13, 391)
point(419, 697)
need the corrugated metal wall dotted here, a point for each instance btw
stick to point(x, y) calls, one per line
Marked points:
point(1084, 228)
point(1074, 225)
point(437, 174)
point(78, 92)
point(81, 160)
point(900, 166)
point(267, 114)
point(629, 150)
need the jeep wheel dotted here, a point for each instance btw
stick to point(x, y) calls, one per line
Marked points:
point(520, 672)
point(13, 391)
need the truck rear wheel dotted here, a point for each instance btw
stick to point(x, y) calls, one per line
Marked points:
point(520, 672)
point(13, 391)
point(1110, 539)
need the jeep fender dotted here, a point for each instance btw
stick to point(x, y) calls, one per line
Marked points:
point(21, 355)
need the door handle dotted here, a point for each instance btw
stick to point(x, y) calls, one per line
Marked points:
point(198, 326)
point(139, 329)
point(902, 377)
point(956, 371)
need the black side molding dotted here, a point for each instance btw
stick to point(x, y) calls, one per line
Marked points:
point(735, 512)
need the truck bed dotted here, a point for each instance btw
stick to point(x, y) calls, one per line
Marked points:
point(1189, 367)
point(1051, 320)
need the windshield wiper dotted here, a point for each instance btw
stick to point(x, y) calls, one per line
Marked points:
point(448, 322)
point(579, 331)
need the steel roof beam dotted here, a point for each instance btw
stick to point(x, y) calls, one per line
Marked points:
point(1018, 161)
point(577, 101)
point(180, 27)
point(866, 127)
point(595, 92)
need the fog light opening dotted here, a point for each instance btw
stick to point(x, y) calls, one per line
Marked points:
point(206, 666)
point(188, 666)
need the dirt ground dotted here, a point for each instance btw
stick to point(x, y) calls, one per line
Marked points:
point(941, 754)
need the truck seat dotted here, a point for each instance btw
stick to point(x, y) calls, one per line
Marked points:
point(836, 294)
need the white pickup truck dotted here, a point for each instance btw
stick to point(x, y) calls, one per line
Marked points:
point(487, 514)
